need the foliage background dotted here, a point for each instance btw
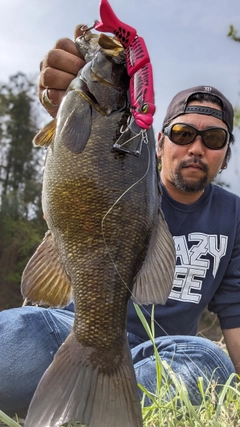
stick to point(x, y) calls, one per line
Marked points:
point(21, 224)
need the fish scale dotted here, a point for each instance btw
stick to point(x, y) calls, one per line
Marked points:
point(102, 207)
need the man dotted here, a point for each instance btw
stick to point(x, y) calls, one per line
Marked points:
point(194, 146)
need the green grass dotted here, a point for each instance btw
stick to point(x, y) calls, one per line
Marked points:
point(174, 409)
point(171, 405)
point(7, 420)
point(216, 410)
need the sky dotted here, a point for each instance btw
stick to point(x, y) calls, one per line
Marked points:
point(186, 39)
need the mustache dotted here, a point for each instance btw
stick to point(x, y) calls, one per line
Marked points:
point(193, 160)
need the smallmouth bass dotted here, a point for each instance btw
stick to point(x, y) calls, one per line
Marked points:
point(107, 242)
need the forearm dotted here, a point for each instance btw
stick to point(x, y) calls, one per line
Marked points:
point(232, 339)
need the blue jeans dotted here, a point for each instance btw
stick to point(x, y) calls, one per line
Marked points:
point(30, 336)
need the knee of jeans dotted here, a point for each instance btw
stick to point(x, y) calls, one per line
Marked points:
point(206, 358)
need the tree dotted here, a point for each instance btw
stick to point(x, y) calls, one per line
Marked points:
point(19, 162)
point(233, 33)
point(21, 224)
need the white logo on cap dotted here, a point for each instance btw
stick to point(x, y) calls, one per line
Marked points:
point(208, 88)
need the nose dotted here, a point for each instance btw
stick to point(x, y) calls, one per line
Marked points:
point(196, 148)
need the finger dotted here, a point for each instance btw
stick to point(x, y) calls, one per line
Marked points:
point(62, 60)
point(67, 45)
point(52, 78)
point(56, 81)
point(55, 97)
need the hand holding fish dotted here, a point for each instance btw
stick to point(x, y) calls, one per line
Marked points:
point(58, 68)
point(55, 80)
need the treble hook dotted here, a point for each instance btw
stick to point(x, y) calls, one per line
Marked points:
point(85, 28)
point(131, 139)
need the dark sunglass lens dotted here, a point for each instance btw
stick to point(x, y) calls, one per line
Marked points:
point(215, 138)
point(182, 134)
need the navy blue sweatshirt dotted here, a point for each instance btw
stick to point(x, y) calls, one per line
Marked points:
point(207, 241)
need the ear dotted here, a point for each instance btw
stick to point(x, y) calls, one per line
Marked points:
point(224, 165)
point(159, 149)
point(226, 159)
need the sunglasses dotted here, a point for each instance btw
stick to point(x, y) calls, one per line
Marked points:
point(182, 134)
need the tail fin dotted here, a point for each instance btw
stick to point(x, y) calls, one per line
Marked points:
point(75, 388)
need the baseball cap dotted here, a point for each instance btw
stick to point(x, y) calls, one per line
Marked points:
point(179, 105)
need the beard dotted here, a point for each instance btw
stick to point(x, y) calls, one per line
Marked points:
point(188, 184)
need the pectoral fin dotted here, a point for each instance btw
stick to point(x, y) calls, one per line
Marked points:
point(75, 121)
point(153, 283)
point(45, 136)
point(44, 279)
point(76, 130)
